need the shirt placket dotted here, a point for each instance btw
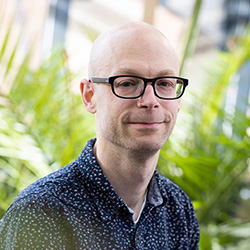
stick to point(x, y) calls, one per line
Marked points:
point(140, 230)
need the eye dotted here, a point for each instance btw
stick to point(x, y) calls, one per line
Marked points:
point(165, 83)
point(125, 82)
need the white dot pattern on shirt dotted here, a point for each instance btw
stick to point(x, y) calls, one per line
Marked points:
point(77, 208)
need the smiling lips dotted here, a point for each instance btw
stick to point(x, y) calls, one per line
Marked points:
point(146, 124)
point(147, 121)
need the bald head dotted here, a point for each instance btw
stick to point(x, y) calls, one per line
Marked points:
point(131, 49)
point(129, 39)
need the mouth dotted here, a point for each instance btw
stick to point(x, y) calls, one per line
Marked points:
point(146, 124)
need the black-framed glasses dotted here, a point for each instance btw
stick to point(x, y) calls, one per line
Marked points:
point(132, 87)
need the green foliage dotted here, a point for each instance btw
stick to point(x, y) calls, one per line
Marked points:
point(208, 162)
point(43, 124)
point(191, 36)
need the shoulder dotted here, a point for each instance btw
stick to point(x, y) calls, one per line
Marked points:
point(177, 200)
point(52, 185)
point(181, 208)
point(37, 213)
point(41, 209)
point(172, 191)
point(62, 188)
point(55, 193)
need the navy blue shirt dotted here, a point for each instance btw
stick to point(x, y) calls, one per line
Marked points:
point(77, 208)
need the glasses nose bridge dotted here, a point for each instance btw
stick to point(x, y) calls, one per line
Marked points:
point(147, 80)
point(151, 81)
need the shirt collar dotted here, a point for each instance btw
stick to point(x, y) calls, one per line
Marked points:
point(102, 192)
point(154, 192)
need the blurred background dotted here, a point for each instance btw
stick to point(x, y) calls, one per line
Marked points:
point(44, 52)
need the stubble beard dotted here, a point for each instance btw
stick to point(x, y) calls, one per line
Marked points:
point(138, 146)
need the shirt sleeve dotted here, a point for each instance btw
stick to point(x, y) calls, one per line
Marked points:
point(194, 230)
point(30, 226)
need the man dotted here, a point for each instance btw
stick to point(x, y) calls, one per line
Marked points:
point(112, 197)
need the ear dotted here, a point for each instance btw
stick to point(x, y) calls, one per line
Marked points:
point(88, 94)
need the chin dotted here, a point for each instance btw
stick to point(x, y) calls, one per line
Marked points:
point(148, 146)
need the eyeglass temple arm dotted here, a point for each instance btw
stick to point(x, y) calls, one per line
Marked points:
point(96, 79)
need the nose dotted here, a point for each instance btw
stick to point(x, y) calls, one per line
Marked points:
point(148, 99)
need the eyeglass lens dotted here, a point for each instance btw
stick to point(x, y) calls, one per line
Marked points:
point(127, 86)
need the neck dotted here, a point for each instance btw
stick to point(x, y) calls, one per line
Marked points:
point(128, 173)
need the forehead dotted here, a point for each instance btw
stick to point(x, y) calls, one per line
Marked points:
point(145, 55)
point(136, 71)
point(133, 50)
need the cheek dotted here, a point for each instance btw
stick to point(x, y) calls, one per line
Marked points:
point(172, 106)
point(102, 98)
point(105, 108)
point(107, 104)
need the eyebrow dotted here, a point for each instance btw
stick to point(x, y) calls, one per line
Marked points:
point(130, 71)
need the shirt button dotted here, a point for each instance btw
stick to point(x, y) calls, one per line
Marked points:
point(138, 238)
